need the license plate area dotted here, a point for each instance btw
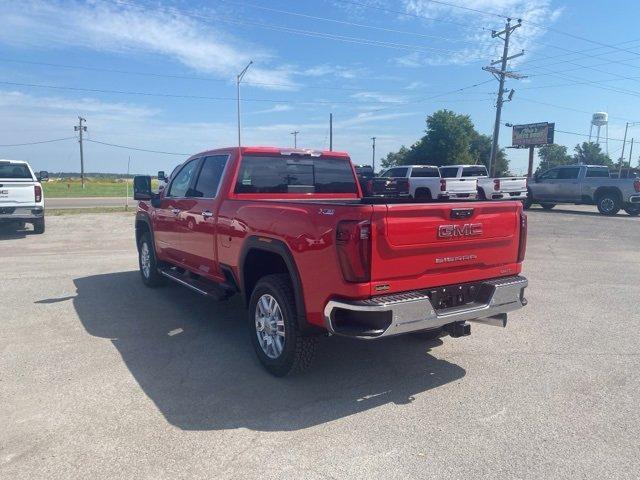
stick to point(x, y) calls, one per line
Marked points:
point(453, 296)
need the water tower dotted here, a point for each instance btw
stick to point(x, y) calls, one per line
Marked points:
point(599, 120)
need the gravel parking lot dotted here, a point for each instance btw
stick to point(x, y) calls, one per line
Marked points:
point(101, 377)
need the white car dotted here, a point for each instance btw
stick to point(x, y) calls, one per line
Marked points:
point(426, 183)
point(504, 188)
point(21, 195)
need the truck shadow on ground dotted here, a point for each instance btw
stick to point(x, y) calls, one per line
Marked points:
point(11, 232)
point(566, 210)
point(193, 358)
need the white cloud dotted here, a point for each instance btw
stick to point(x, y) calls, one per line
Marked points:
point(378, 97)
point(125, 29)
point(275, 109)
point(533, 12)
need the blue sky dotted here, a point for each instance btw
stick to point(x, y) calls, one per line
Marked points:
point(380, 66)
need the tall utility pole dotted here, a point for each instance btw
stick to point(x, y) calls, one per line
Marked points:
point(80, 129)
point(500, 75)
point(373, 154)
point(295, 138)
point(331, 132)
point(238, 80)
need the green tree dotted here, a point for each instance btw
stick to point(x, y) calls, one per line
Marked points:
point(449, 139)
point(480, 149)
point(591, 154)
point(553, 155)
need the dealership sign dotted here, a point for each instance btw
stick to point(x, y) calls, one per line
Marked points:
point(533, 134)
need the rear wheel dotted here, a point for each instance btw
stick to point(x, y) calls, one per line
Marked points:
point(608, 204)
point(527, 202)
point(148, 262)
point(481, 195)
point(280, 346)
point(423, 195)
point(547, 206)
point(633, 210)
point(38, 225)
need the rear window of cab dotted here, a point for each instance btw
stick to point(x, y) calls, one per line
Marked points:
point(15, 170)
point(265, 174)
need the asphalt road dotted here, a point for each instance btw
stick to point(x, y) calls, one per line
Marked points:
point(87, 202)
point(103, 378)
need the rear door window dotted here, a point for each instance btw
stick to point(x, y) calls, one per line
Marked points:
point(209, 177)
point(598, 173)
point(15, 170)
point(295, 175)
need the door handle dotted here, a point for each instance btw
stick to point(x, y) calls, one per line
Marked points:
point(175, 211)
point(207, 214)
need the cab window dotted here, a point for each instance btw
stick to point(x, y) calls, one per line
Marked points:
point(550, 174)
point(180, 184)
point(209, 177)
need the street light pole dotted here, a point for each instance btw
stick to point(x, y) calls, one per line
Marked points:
point(238, 80)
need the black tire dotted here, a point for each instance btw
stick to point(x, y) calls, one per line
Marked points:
point(150, 276)
point(547, 206)
point(38, 225)
point(528, 202)
point(423, 195)
point(634, 210)
point(481, 195)
point(608, 204)
point(298, 351)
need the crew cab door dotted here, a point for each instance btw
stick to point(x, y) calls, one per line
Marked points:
point(198, 239)
point(569, 184)
point(545, 185)
point(168, 226)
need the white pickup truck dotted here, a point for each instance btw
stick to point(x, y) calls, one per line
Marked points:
point(21, 196)
point(425, 183)
point(504, 188)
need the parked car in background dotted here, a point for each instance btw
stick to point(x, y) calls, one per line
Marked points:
point(424, 183)
point(365, 175)
point(585, 184)
point(503, 188)
point(288, 230)
point(21, 196)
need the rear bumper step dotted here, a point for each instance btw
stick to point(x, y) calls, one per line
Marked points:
point(412, 311)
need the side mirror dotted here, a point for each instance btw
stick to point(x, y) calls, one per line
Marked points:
point(42, 176)
point(161, 176)
point(142, 187)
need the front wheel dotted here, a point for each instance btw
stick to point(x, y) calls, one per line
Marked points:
point(275, 334)
point(608, 204)
point(547, 206)
point(148, 263)
point(633, 210)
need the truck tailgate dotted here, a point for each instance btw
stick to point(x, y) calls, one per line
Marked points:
point(14, 193)
point(424, 245)
point(461, 185)
point(513, 184)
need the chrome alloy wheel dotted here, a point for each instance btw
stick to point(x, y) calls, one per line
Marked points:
point(145, 259)
point(270, 326)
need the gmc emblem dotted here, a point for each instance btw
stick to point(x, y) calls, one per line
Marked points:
point(466, 230)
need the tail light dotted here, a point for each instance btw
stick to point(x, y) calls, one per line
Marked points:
point(522, 245)
point(37, 190)
point(403, 185)
point(636, 185)
point(353, 242)
point(443, 185)
point(496, 184)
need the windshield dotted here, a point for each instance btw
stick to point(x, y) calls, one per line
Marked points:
point(295, 175)
point(15, 170)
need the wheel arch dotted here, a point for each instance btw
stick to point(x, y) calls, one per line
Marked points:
point(143, 224)
point(261, 256)
point(601, 191)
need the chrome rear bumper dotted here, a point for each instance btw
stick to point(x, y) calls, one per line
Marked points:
point(413, 311)
point(21, 213)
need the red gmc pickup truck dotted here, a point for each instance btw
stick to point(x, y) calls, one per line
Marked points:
point(289, 230)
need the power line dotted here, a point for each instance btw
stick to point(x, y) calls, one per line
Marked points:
point(562, 107)
point(137, 149)
point(353, 24)
point(37, 142)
